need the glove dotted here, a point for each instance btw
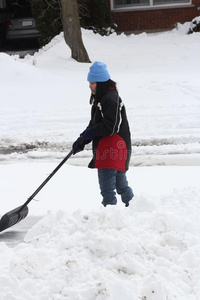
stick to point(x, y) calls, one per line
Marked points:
point(78, 145)
point(85, 138)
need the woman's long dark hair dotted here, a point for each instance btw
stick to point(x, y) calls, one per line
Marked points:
point(102, 88)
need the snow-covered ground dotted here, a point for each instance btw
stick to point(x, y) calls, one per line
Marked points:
point(80, 250)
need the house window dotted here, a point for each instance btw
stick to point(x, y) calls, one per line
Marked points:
point(161, 2)
point(129, 3)
point(125, 4)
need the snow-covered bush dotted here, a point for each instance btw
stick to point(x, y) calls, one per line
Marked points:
point(195, 25)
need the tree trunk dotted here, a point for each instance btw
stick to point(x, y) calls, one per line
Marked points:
point(72, 30)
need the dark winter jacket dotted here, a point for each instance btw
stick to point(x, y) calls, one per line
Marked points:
point(112, 144)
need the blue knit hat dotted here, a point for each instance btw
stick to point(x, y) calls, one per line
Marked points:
point(98, 72)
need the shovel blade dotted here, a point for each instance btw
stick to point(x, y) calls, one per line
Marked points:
point(13, 217)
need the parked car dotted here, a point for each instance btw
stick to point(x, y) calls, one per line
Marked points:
point(21, 28)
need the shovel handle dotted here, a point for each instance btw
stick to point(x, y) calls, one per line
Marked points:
point(46, 180)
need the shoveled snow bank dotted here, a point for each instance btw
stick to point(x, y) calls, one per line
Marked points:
point(148, 251)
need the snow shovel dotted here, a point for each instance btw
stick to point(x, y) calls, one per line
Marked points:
point(16, 215)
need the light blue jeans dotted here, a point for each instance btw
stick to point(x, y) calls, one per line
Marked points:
point(111, 180)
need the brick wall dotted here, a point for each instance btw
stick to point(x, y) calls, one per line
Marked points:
point(155, 19)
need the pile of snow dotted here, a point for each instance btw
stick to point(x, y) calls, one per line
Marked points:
point(149, 251)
